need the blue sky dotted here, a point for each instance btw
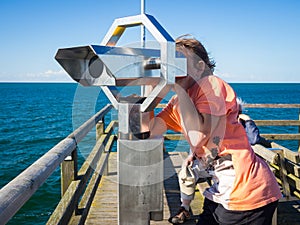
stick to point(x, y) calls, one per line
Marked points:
point(251, 41)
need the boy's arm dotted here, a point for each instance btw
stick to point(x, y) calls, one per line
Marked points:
point(165, 120)
point(198, 126)
point(157, 127)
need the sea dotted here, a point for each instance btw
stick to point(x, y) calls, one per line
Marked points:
point(34, 117)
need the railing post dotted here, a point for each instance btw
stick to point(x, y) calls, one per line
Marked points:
point(99, 129)
point(68, 171)
point(283, 174)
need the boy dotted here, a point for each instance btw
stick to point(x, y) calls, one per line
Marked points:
point(205, 110)
point(199, 174)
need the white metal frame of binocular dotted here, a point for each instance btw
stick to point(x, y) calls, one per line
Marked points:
point(140, 159)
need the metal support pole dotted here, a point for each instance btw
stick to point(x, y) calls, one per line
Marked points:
point(140, 168)
point(143, 29)
point(145, 90)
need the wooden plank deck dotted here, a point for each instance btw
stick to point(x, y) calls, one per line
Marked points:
point(104, 206)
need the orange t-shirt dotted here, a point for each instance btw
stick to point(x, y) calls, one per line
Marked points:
point(243, 181)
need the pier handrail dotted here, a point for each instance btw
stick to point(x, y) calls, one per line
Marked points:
point(85, 183)
point(274, 136)
point(79, 186)
point(15, 194)
point(284, 162)
point(258, 105)
point(273, 105)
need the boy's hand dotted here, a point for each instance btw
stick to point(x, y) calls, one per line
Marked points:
point(189, 160)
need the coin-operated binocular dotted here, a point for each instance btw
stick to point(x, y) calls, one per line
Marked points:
point(140, 158)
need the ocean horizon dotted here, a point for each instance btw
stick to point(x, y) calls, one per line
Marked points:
point(35, 116)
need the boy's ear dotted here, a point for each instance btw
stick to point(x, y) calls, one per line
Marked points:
point(201, 66)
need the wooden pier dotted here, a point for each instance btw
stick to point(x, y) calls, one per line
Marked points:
point(103, 209)
point(89, 193)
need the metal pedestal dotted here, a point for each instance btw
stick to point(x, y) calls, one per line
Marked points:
point(140, 170)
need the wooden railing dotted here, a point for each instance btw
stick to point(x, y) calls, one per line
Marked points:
point(269, 123)
point(273, 136)
point(84, 185)
point(16, 193)
point(286, 167)
point(284, 162)
point(78, 186)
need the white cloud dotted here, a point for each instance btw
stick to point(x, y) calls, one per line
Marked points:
point(229, 77)
point(45, 76)
point(52, 72)
point(237, 78)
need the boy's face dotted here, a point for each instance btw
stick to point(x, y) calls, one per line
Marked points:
point(195, 68)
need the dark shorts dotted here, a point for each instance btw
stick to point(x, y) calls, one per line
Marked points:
point(216, 214)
